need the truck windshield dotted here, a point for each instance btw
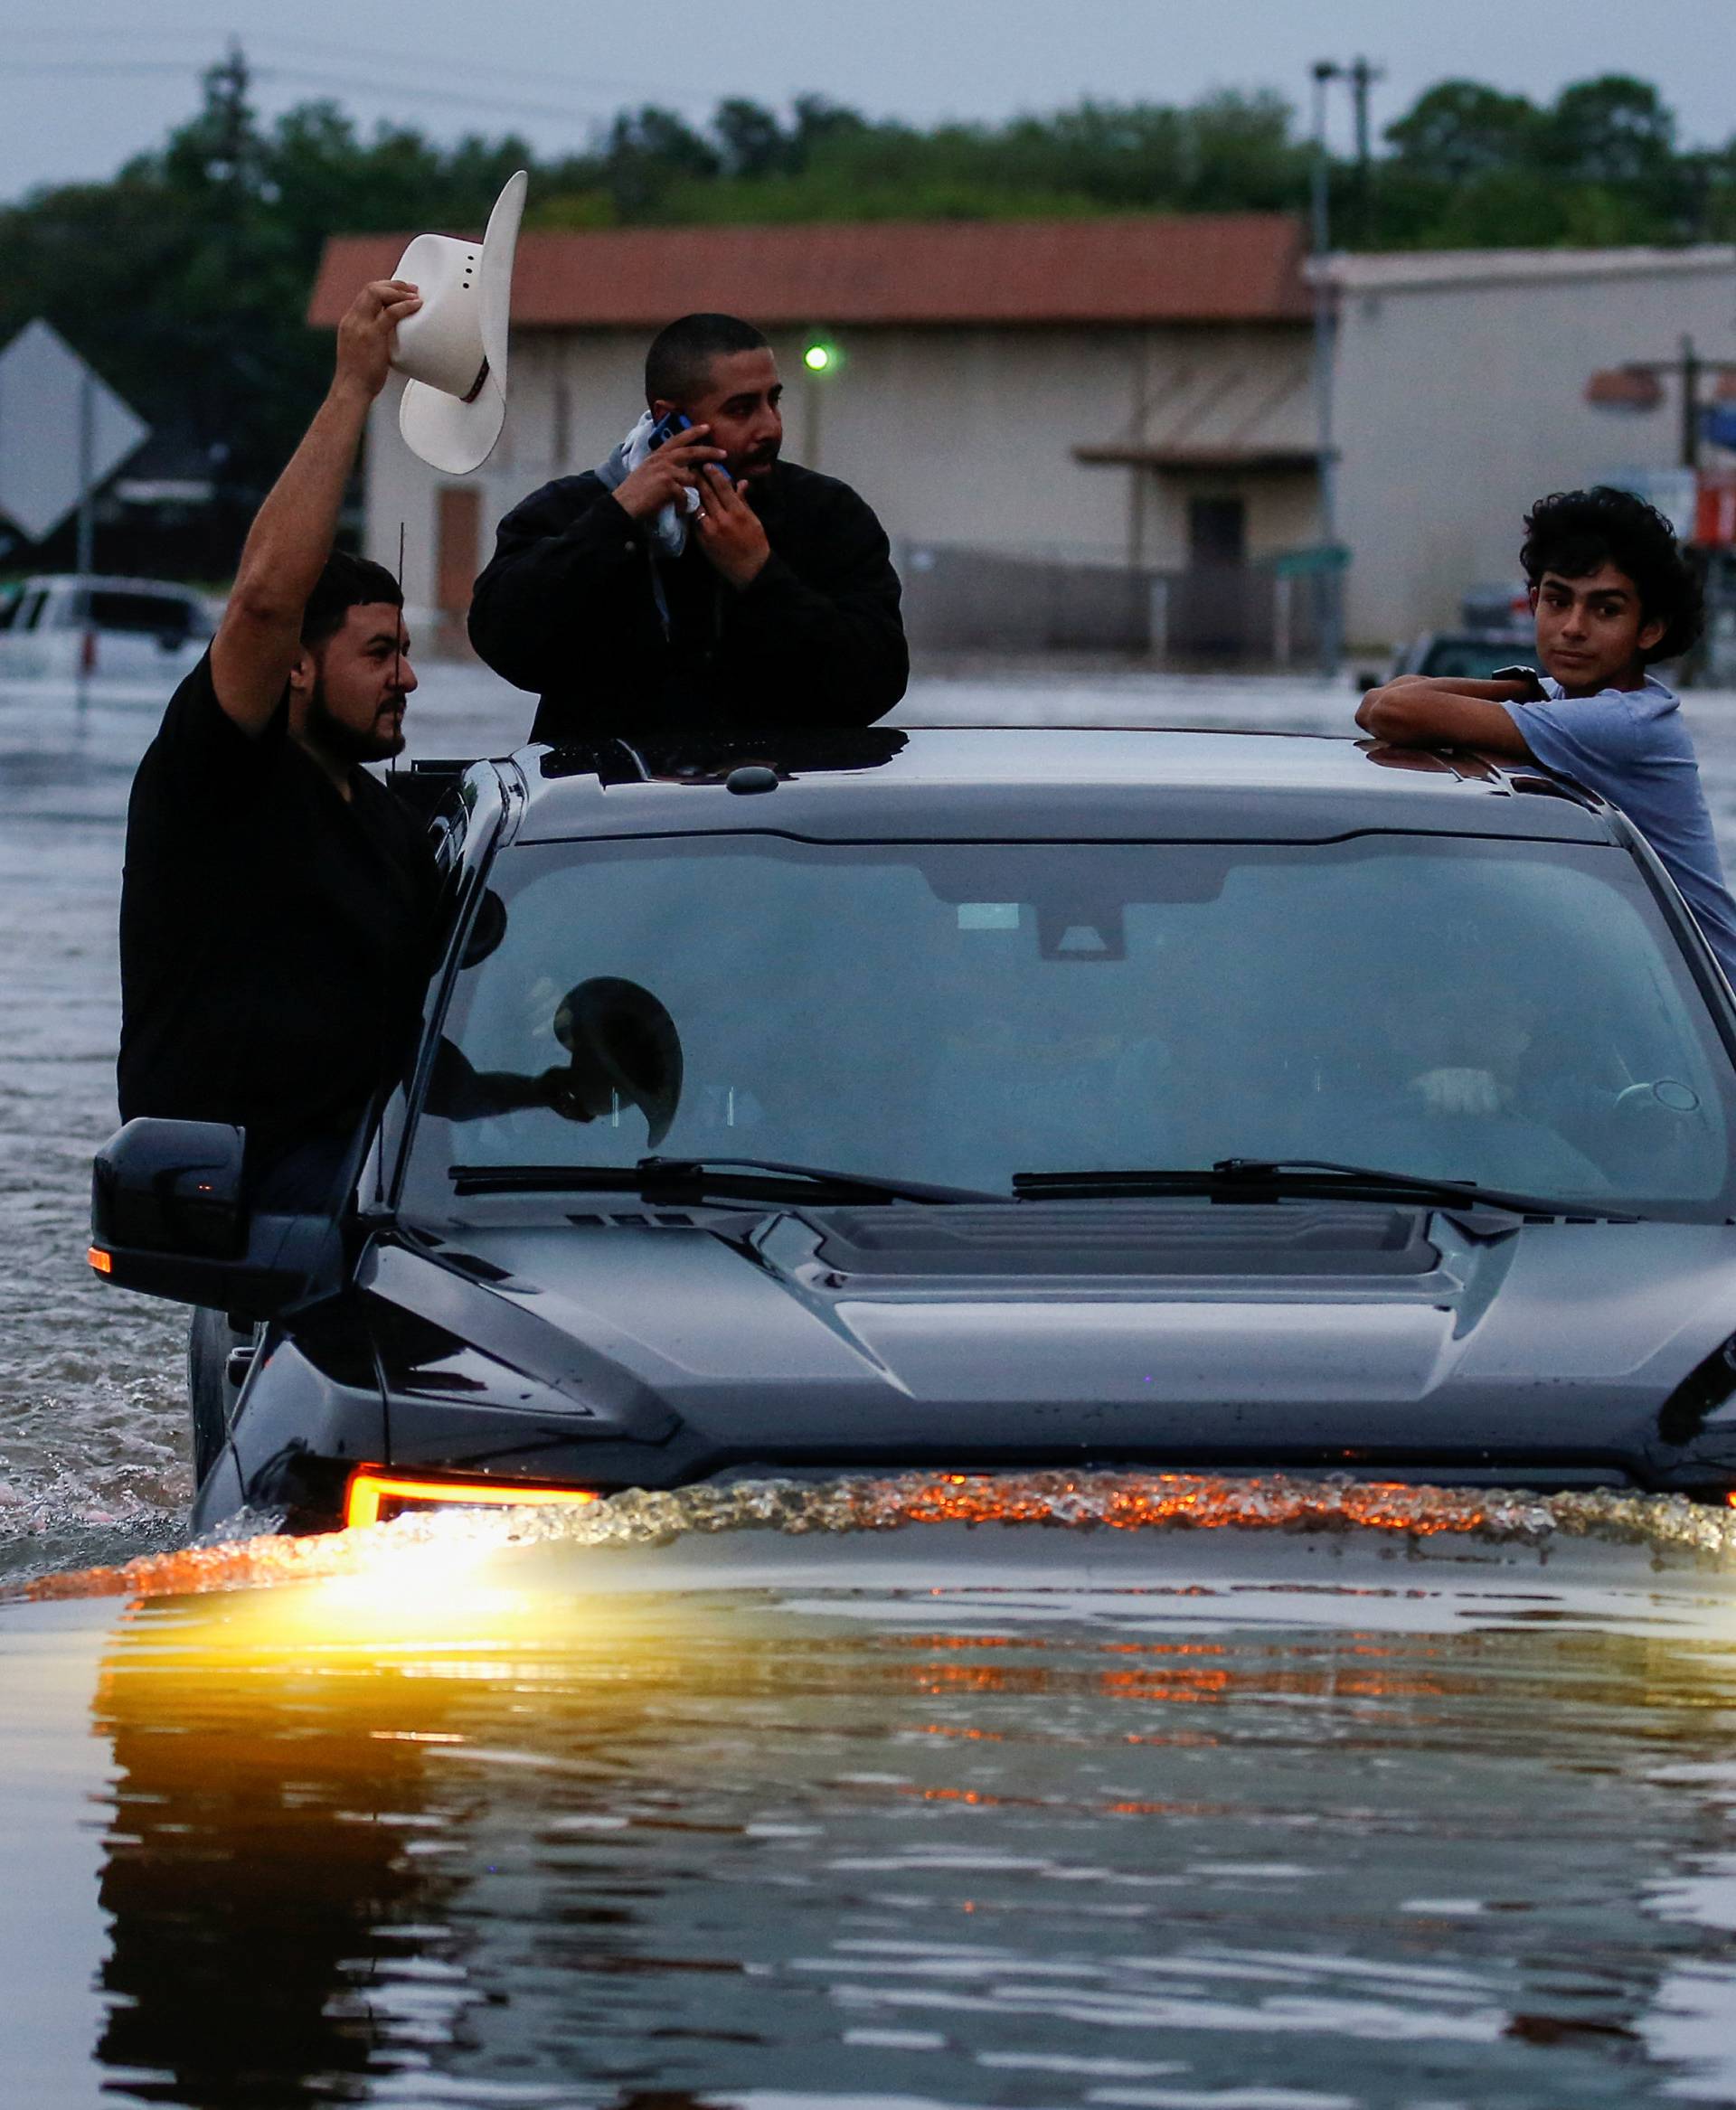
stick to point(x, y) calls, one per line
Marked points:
point(1516, 1014)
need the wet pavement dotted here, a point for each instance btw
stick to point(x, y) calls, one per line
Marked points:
point(1028, 1816)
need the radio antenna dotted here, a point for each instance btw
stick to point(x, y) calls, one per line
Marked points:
point(398, 645)
point(391, 770)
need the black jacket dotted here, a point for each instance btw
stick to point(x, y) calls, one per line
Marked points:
point(567, 607)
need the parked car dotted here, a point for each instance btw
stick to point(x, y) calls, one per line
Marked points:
point(977, 1100)
point(1462, 655)
point(59, 627)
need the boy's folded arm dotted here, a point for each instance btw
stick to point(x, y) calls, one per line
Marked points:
point(1421, 711)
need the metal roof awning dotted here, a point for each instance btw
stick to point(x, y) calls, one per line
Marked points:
point(1247, 409)
point(1127, 453)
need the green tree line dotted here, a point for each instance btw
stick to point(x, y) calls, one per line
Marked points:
point(184, 277)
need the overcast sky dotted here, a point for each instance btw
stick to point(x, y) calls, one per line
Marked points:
point(82, 89)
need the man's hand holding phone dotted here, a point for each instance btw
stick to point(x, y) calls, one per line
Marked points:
point(662, 477)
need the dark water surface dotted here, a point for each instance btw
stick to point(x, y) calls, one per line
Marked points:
point(1191, 1820)
point(1011, 1817)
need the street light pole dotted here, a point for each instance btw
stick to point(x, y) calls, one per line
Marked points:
point(819, 363)
point(1329, 600)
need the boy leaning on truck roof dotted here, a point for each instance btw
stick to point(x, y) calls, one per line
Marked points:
point(1611, 593)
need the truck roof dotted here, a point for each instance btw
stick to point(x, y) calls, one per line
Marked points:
point(988, 782)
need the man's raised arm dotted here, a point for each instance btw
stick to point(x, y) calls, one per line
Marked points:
point(287, 547)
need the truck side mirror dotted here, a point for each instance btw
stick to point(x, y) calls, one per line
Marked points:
point(169, 1217)
point(170, 1187)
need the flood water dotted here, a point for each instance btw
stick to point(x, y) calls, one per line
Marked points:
point(1406, 1812)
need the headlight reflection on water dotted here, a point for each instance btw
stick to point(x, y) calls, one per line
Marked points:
point(412, 1595)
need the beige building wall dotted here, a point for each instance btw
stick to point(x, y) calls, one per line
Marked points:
point(1459, 398)
point(967, 435)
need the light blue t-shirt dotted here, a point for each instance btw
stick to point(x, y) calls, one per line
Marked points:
point(1632, 747)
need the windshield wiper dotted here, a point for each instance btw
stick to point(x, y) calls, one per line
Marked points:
point(705, 1179)
point(1243, 1178)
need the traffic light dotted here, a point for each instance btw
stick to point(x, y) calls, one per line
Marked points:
point(820, 355)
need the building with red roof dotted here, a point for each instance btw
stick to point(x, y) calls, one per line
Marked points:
point(1113, 391)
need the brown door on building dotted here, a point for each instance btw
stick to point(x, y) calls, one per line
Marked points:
point(1210, 614)
point(458, 537)
point(1217, 533)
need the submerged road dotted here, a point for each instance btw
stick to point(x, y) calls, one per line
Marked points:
point(853, 1821)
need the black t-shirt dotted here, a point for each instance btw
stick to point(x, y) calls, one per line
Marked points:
point(274, 937)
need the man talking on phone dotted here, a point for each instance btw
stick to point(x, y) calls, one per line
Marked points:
point(695, 580)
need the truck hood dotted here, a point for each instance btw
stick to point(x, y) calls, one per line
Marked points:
point(1186, 1333)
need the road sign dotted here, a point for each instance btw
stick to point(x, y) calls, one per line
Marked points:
point(1312, 558)
point(62, 429)
point(1714, 516)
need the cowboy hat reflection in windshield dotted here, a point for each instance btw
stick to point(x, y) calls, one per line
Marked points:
point(624, 1048)
point(454, 348)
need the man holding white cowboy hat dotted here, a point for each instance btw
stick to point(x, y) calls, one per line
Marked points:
point(277, 903)
point(694, 579)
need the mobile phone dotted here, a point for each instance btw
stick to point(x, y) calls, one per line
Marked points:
point(1535, 692)
point(667, 426)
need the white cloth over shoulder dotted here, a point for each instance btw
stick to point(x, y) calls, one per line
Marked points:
point(669, 528)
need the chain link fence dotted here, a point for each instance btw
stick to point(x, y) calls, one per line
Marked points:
point(960, 598)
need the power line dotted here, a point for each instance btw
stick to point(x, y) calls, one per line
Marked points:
point(78, 67)
point(347, 84)
point(364, 54)
point(614, 83)
point(461, 98)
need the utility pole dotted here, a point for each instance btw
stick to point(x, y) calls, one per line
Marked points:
point(1361, 77)
point(226, 85)
point(1690, 372)
point(1329, 598)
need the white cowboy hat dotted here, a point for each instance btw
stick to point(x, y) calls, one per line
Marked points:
point(454, 347)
